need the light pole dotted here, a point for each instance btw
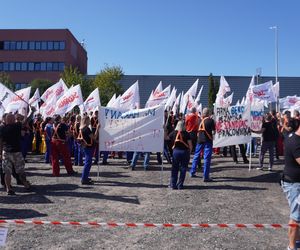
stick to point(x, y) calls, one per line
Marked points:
point(276, 56)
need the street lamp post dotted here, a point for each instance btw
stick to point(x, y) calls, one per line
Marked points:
point(276, 56)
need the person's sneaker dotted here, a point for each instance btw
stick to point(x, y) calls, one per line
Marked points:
point(288, 248)
point(87, 182)
point(11, 192)
point(73, 173)
point(193, 175)
point(105, 163)
point(208, 180)
point(270, 169)
point(259, 168)
point(246, 161)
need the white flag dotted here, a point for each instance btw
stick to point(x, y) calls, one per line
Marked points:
point(176, 104)
point(69, 100)
point(111, 101)
point(19, 102)
point(264, 92)
point(193, 89)
point(93, 101)
point(34, 100)
point(197, 100)
point(131, 98)
point(5, 97)
point(276, 90)
point(58, 89)
point(171, 99)
point(249, 94)
point(223, 89)
point(158, 98)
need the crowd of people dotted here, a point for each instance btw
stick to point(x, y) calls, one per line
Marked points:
point(73, 140)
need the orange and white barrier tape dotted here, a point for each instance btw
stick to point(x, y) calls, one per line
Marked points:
point(146, 225)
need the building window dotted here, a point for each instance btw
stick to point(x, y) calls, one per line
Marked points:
point(44, 45)
point(31, 66)
point(6, 45)
point(50, 45)
point(37, 66)
point(43, 66)
point(18, 66)
point(1, 45)
point(11, 66)
point(55, 66)
point(18, 45)
point(24, 45)
point(31, 45)
point(56, 45)
point(12, 45)
point(24, 66)
point(61, 66)
point(38, 45)
point(62, 45)
point(49, 66)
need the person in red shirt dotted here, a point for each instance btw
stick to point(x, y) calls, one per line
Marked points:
point(192, 124)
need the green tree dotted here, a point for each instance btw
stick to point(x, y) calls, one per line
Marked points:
point(5, 79)
point(41, 84)
point(107, 82)
point(72, 76)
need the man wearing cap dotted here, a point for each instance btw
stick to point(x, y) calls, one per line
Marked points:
point(205, 142)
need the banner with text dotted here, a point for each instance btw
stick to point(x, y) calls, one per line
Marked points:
point(257, 114)
point(232, 125)
point(136, 130)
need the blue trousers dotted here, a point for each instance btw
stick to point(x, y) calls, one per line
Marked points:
point(88, 154)
point(129, 156)
point(207, 146)
point(105, 156)
point(77, 154)
point(48, 151)
point(136, 157)
point(180, 163)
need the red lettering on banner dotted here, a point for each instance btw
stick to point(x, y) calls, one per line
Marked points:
point(50, 111)
point(67, 100)
point(90, 99)
point(260, 93)
point(127, 97)
point(158, 94)
point(48, 92)
point(18, 98)
point(59, 91)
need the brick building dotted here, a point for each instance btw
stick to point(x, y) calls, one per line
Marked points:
point(28, 54)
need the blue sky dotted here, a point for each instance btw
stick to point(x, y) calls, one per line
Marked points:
point(172, 37)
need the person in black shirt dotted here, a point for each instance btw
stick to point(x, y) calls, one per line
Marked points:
point(87, 139)
point(181, 155)
point(10, 144)
point(268, 141)
point(291, 182)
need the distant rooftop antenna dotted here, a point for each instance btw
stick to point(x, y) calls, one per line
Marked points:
point(82, 43)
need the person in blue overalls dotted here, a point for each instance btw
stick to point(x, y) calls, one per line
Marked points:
point(181, 155)
point(48, 130)
point(78, 154)
point(204, 141)
point(87, 139)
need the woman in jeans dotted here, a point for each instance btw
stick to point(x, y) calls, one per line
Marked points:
point(87, 139)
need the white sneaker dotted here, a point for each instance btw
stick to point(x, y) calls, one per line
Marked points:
point(270, 169)
point(259, 168)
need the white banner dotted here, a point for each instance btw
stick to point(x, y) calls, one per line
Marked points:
point(19, 101)
point(93, 101)
point(136, 130)
point(264, 92)
point(69, 100)
point(232, 125)
point(257, 114)
point(5, 96)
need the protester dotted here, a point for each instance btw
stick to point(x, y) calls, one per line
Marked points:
point(181, 155)
point(136, 157)
point(192, 125)
point(78, 155)
point(87, 139)
point(204, 141)
point(59, 147)
point(242, 151)
point(48, 131)
point(288, 125)
point(268, 141)
point(291, 183)
point(276, 131)
point(37, 132)
point(10, 144)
